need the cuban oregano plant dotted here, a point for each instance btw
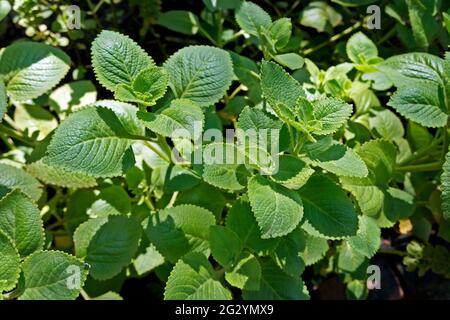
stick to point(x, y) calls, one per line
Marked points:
point(149, 180)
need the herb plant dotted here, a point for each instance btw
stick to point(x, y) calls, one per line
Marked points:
point(94, 192)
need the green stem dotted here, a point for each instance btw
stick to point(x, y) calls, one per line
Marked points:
point(333, 38)
point(424, 151)
point(17, 135)
point(392, 251)
point(149, 203)
point(157, 151)
point(432, 166)
point(234, 37)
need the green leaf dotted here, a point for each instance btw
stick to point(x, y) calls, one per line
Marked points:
point(287, 257)
point(225, 245)
point(315, 249)
point(277, 209)
point(336, 158)
point(404, 68)
point(349, 259)
point(278, 86)
point(5, 8)
point(386, 124)
point(148, 260)
point(178, 230)
point(370, 192)
point(193, 278)
point(13, 178)
point(200, 195)
point(30, 69)
point(320, 16)
point(183, 117)
point(20, 220)
point(291, 60)
point(3, 100)
point(251, 18)
point(280, 32)
point(332, 113)
point(117, 59)
point(52, 275)
point(292, 173)
point(84, 234)
point(421, 103)
point(360, 49)
point(445, 180)
point(255, 121)
point(276, 285)
point(113, 246)
point(60, 177)
point(200, 73)
point(95, 140)
point(226, 172)
point(246, 274)
point(148, 86)
point(332, 216)
point(368, 239)
point(241, 220)
point(423, 22)
point(180, 21)
point(9, 263)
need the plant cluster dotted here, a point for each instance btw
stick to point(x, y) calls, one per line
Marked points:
point(91, 194)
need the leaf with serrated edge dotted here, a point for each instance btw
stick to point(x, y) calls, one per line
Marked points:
point(31, 69)
point(251, 18)
point(13, 178)
point(367, 240)
point(9, 263)
point(20, 220)
point(177, 230)
point(117, 59)
point(200, 73)
point(52, 275)
point(193, 278)
point(241, 220)
point(332, 216)
point(225, 245)
point(84, 234)
point(59, 177)
point(277, 209)
point(94, 140)
point(315, 249)
point(360, 48)
point(276, 285)
point(336, 158)
point(3, 100)
point(278, 86)
point(246, 274)
point(420, 103)
point(332, 113)
point(183, 117)
point(113, 246)
point(445, 180)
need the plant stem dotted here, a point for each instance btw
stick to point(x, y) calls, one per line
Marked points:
point(424, 151)
point(333, 38)
point(157, 151)
point(392, 251)
point(17, 135)
point(432, 166)
point(149, 203)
